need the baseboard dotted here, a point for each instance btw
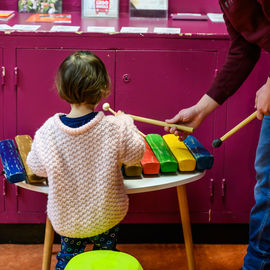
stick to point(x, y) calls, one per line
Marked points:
point(138, 233)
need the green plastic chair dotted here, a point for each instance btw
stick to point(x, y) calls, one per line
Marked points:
point(103, 260)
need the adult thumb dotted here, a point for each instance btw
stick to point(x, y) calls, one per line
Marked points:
point(175, 119)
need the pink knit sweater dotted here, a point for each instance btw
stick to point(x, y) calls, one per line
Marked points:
point(83, 165)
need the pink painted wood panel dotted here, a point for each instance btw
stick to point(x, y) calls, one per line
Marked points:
point(240, 150)
point(37, 100)
point(202, 6)
point(2, 184)
point(156, 85)
point(2, 82)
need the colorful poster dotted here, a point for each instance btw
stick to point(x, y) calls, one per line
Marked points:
point(52, 18)
point(100, 8)
point(40, 6)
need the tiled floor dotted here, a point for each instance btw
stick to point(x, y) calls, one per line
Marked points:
point(151, 256)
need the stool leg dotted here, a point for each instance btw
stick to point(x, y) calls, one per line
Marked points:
point(184, 212)
point(48, 243)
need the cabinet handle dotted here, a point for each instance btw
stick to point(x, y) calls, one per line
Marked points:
point(17, 191)
point(4, 187)
point(223, 187)
point(216, 73)
point(3, 75)
point(211, 188)
point(16, 76)
point(126, 78)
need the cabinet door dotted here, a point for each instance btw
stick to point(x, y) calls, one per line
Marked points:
point(240, 149)
point(2, 183)
point(37, 100)
point(157, 84)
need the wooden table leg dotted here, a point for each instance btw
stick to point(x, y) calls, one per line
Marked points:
point(48, 243)
point(184, 212)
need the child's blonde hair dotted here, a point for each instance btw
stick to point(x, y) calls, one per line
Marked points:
point(82, 78)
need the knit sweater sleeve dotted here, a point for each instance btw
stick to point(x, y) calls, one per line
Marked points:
point(240, 61)
point(131, 148)
point(34, 160)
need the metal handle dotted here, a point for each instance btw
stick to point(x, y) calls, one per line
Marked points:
point(216, 73)
point(4, 187)
point(3, 75)
point(17, 191)
point(126, 78)
point(223, 187)
point(16, 76)
point(211, 188)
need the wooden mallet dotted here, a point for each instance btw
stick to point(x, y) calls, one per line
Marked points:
point(217, 142)
point(106, 107)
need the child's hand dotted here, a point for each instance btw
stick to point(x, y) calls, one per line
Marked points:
point(119, 113)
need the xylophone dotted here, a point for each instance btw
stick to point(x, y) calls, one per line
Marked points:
point(166, 154)
point(163, 154)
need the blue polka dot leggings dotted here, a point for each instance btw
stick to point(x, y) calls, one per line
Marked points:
point(73, 246)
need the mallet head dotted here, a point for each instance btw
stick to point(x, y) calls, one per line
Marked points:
point(106, 106)
point(216, 143)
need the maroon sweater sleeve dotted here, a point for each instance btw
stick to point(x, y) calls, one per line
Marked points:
point(241, 59)
point(266, 8)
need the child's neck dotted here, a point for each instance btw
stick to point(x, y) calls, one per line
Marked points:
point(78, 110)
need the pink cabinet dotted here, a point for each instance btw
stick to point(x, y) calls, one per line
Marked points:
point(37, 100)
point(2, 83)
point(235, 198)
point(37, 97)
point(2, 77)
point(152, 76)
point(156, 84)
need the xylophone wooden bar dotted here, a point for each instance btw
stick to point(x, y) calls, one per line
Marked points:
point(150, 164)
point(133, 170)
point(162, 152)
point(24, 143)
point(12, 164)
point(186, 161)
point(204, 160)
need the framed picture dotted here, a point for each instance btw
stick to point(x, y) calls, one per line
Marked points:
point(100, 8)
point(148, 8)
point(40, 6)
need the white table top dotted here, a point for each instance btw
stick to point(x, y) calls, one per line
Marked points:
point(139, 185)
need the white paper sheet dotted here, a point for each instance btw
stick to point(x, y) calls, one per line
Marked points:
point(150, 4)
point(25, 27)
point(215, 17)
point(64, 28)
point(134, 30)
point(100, 29)
point(167, 30)
point(5, 27)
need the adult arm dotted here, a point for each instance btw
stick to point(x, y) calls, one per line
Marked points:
point(266, 8)
point(240, 61)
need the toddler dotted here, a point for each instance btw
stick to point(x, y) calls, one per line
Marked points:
point(81, 153)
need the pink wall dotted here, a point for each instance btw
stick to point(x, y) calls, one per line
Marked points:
point(202, 6)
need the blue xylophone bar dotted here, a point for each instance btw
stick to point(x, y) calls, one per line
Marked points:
point(13, 167)
point(204, 160)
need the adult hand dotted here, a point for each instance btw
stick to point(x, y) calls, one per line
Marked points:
point(262, 100)
point(192, 116)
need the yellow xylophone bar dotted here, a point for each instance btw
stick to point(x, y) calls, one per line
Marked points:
point(186, 161)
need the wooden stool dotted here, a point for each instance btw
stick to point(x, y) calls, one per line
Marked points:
point(184, 212)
